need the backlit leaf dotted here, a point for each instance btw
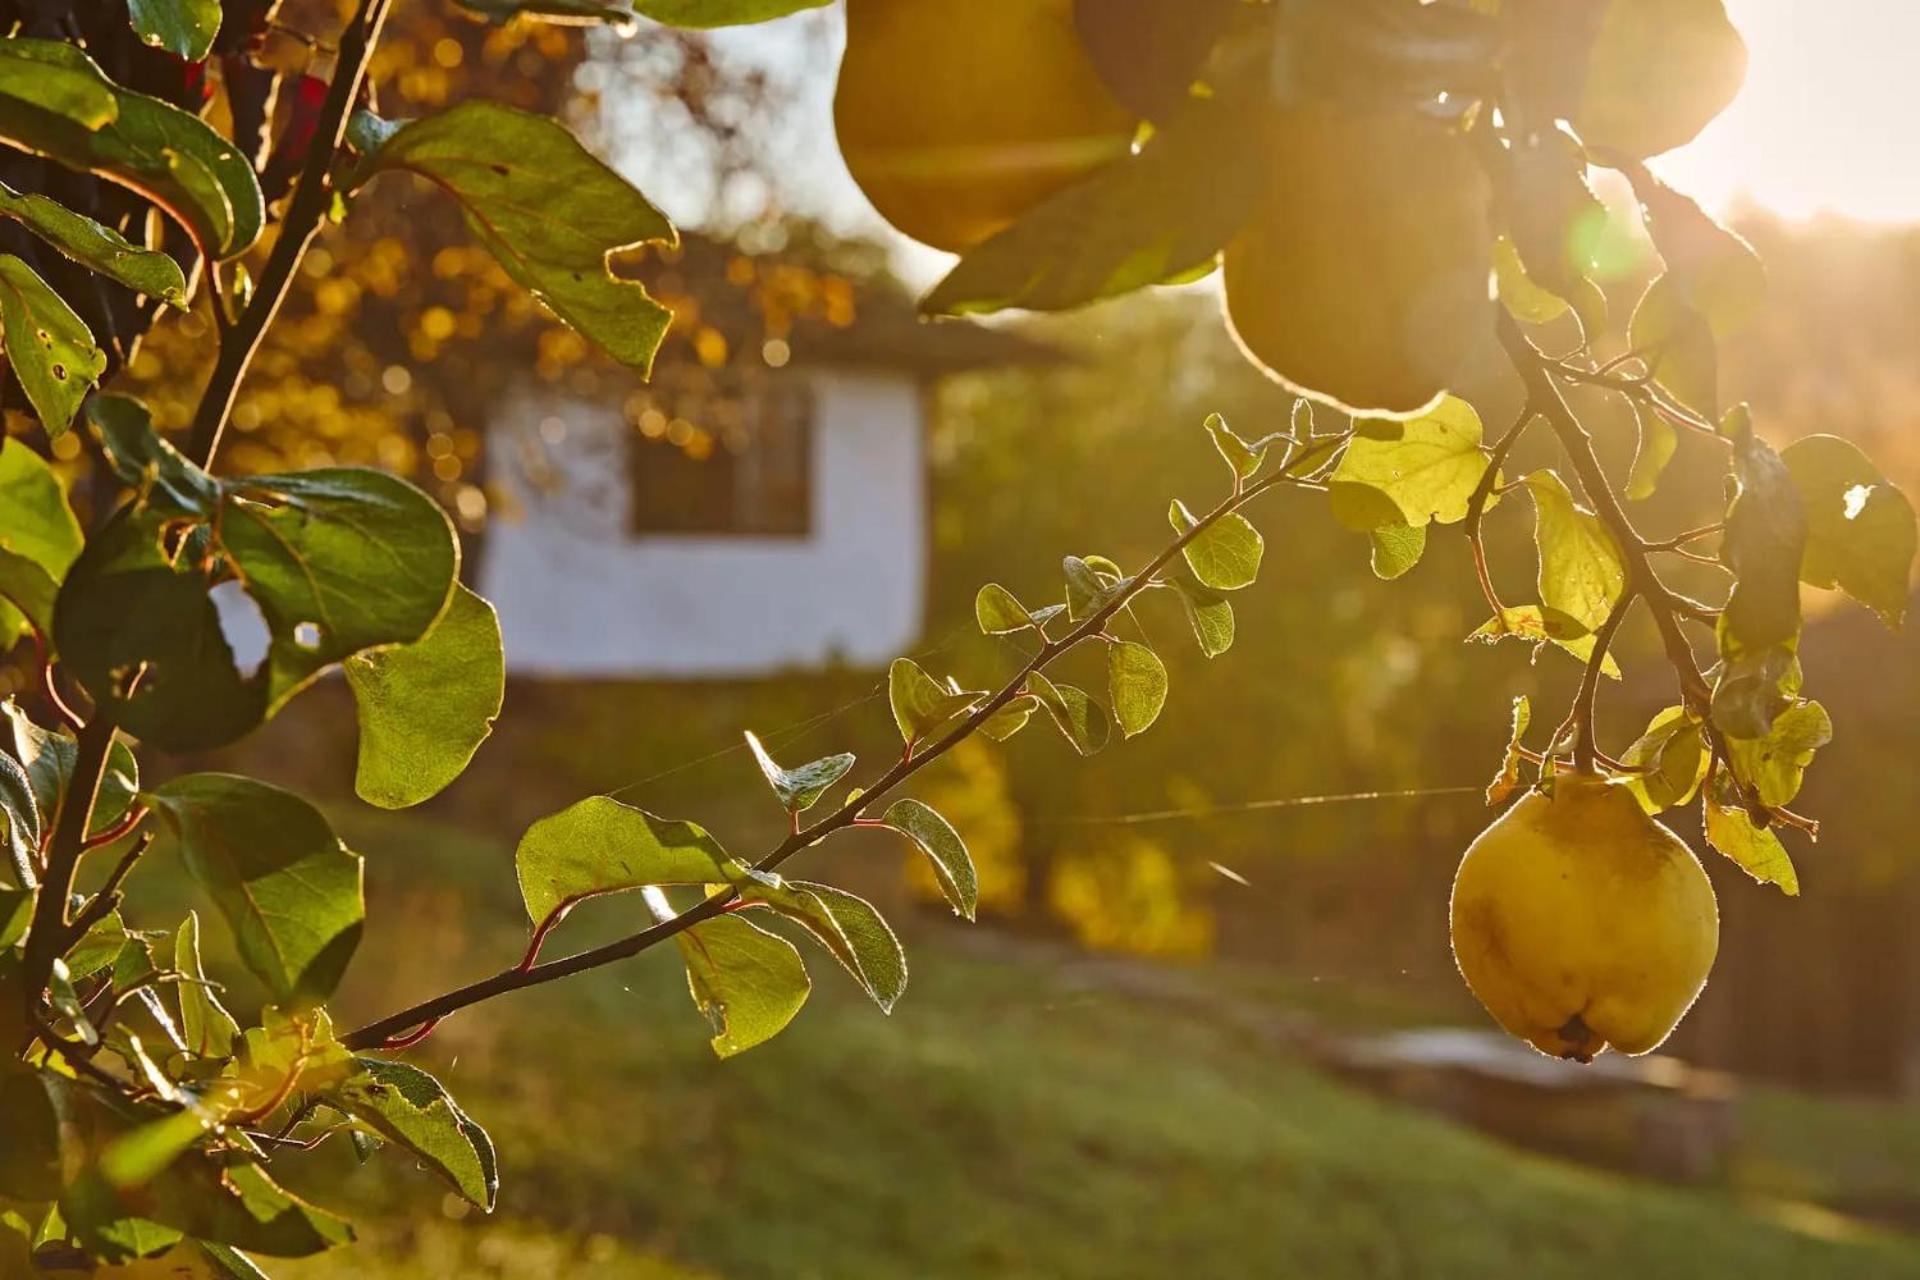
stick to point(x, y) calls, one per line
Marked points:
point(1208, 612)
point(207, 1027)
point(99, 248)
point(1764, 546)
point(1507, 782)
point(1079, 717)
point(922, 706)
point(846, 925)
point(184, 28)
point(1776, 764)
point(49, 348)
point(749, 983)
point(999, 612)
point(1659, 440)
point(1410, 473)
point(947, 853)
point(49, 756)
point(800, 788)
point(1397, 548)
point(1137, 686)
point(544, 206)
point(426, 707)
point(55, 101)
point(1226, 556)
point(289, 889)
point(1670, 760)
point(1581, 571)
point(411, 1109)
point(1153, 216)
point(599, 845)
point(1756, 851)
point(1658, 71)
point(1677, 341)
point(1861, 534)
point(1535, 626)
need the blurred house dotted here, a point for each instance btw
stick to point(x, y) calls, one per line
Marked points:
point(759, 506)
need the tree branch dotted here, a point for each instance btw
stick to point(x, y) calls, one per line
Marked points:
point(387, 1031)
point(1668, 610)
point(311, 199)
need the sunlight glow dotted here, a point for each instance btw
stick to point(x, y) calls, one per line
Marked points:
point(1827, 120)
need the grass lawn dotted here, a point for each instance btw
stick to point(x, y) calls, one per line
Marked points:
point(1004, 1122)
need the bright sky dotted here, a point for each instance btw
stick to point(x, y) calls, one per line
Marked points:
point(1828, 120)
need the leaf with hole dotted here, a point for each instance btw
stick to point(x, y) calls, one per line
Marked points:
point(1861, 533)
point(411, 1109)
point(49, 348)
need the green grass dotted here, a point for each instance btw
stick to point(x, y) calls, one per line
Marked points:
point(1004, 1122)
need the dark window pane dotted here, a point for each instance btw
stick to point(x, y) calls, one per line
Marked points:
point(753, 475)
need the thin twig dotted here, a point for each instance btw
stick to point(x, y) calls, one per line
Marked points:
point(1483, 493)
point(385, 1033)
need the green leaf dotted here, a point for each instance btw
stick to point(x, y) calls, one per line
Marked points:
point(945, 850)
point(1226, 557)
point(19, 825)
point(98, 947)
point(49, 759)
point(599, 845)
point(411, 1109)
point(50, 349)
point(1137, 686)
point(999, 612)
point(1397, 548)
point(1079, 717)
point(1508, 781)
point(1528, 302)
point(1092, 582)
point(289, 889)
point(1208, 612)
point(1657, 72)
point(1670, 760)
point(799, 789)
point(1409, 473)
point(426, 707)
point(847, 926)
point(1678, 343)
point(339, 560)
point(1764, 546)
point(1658, 443)
point(922, 706)
point(547, 209)
point(1538, 627)
point(1243, 459)
point(1156, 215)
point(1011, 718)
point(1756, 851)
point(1861, 534)
point(720, 13)
point(569, 12)
point(55, 101)
point(125, 612)
point(27, 597)
point(1582, 574)
point(235, 1204)
point(159, 474)
point(1776, 764)
point(184, 28)
point(35, 520)
point(748, 983)
point(1710, 269)
point(16, 912)
point(1754, 687)
point(207, 1027)
point(97, 247)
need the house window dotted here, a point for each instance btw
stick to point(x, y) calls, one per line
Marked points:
point(744, 466)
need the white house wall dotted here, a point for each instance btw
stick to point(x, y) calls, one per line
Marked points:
point(579, 596)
